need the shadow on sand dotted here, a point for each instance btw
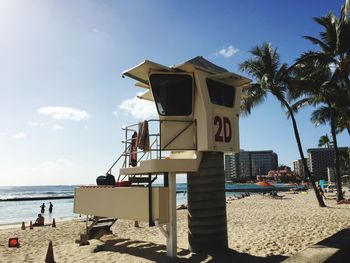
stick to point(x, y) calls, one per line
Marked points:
point(157, 253)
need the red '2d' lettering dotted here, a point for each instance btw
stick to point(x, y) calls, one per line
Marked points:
point(218, 136)
point(227, 130)
point(224, 131)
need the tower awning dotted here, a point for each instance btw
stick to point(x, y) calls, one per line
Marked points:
point(141, 71)
point(147, 95)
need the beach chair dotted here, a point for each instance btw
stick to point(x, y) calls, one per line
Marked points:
point(277, 197)
point(274, 195)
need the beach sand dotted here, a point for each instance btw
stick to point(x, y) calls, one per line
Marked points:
point(260, 229)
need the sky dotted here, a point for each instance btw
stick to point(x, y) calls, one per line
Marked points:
point(63, 100)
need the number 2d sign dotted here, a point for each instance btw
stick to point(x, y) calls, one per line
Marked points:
point(224, 131)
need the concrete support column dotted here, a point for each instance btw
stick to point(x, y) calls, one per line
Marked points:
point(207, 222)
point(171, 229)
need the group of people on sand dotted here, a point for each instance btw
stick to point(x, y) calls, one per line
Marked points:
point(236, 197)
point(41, 220)
point(343, 201)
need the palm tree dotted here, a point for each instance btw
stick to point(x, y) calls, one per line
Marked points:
point(312, 86)
point(322, 116)
point(342, 124)
point(323, 141)
point(345, 161)
point(334, 53)
point(272, 77)
point(332, 65)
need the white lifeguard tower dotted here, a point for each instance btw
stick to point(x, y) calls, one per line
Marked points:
point(198, 104)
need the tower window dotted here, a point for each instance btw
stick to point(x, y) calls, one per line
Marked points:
point(220, 93)
point(172, 93)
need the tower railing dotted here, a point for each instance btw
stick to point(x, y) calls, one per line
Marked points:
point(155, 150)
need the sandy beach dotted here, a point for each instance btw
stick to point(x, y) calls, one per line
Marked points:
point(260, 229)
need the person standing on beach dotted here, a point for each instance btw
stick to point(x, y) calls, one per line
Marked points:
point(50, 207)
point(321, 192)
point(42, 208)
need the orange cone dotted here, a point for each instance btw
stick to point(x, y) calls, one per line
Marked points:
point(23, 227)
point(30, 225)
point(49, 254)
point(53, 223)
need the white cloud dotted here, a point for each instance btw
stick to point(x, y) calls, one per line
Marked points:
point(332, 67)
point(64, 113)
point(35, 123)
point(57, 127)
point(115, 113)
point(99, 35)
point(227, 52)
point(58, 171)
point(2, 134)
point(19, 136)
point(139, 109)
point(56, 165)
point(98, 31)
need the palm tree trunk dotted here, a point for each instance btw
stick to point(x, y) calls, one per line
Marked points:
point(337, 162)
point(306, 168)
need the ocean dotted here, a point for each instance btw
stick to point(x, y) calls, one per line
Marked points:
point(12, 212)
point(18, 211)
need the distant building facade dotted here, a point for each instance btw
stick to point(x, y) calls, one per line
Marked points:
point(283, 173)
point(246, 165)
point(331, 174)
point(320, 159)
point(298, 168)
point(230, 163)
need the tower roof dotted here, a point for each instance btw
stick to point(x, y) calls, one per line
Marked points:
point(199, 61)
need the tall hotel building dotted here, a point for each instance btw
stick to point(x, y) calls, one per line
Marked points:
point(320, 159)
point(246, 165)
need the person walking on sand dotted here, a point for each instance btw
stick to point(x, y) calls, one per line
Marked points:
point(42, 208)
point(50, 207)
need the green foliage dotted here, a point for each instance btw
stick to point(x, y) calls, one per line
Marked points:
point(345, 161)
point(322, 77)
point(324, 140)
point(270, 76)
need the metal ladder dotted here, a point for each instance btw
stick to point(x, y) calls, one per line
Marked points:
point(98, 225)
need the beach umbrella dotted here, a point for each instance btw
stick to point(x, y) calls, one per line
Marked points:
point(265, 184)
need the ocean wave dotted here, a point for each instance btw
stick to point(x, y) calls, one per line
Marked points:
point(16, 196)
point(35, 191)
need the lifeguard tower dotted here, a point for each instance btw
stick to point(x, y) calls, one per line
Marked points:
point(198, 104)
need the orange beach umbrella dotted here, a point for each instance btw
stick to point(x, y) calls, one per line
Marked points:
point(263, 183)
